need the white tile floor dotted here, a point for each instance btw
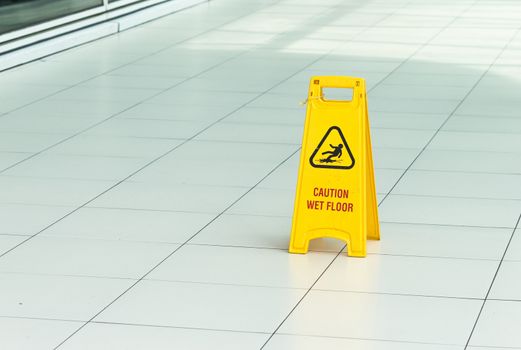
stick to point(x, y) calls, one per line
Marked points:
point(147, 182)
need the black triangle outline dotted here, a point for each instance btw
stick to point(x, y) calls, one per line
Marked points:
point(320, 145)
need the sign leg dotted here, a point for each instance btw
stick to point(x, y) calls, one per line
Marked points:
point(299, 244)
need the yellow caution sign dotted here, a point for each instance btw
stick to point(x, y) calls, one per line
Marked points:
point(336, 194)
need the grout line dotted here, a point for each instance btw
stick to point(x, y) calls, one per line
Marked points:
point(342, 250)
point(374, 86)
point(370, 339)
point(163, 260)
point(263, 286)
point(446, 196)
point(339, 253)
point(258, 96)
point(504, 300)
point(118, 183)
point(300, 301)
point(445, 225)
point(164, 154)
point(21, 273)
point(13, 235)
point(454, 110)
point(187, 242)
point(118, 113)
point(39, 318)
point(130, 324)
point(177, 43)
point(179, 145)
point(224, 245)
point(492, 283)
point(445, 171)
point(110, 70)
point(178, 327)
point(291, 155)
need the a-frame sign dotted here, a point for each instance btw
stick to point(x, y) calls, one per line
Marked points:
point(336, 194)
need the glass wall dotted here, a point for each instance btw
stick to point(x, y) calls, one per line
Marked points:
point(17, 14)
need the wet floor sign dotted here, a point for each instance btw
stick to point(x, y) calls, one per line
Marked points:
point(336, 194)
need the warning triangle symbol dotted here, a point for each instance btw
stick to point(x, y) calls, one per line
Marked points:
point(333, 152)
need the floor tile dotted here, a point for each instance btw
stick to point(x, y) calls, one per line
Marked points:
point(23, 333)
point(129, 225)
point(473, 141)
point(498, 325)
point(107, 146)
point(440, 241)
point(284, 177)
point(413, 121)
point(302, 342)
point(26, 219)
point(271, 100)
point(483, 124)
point(147, 128)
point(231, 151)
point(361, 65)
point(507, 285)
point(385, 179)
point(450, 54)
point(180, 96)
point(240, 132)
point(20, 122)
point(262, 201)
point(8, 242)
point(48, 191)
point(196, 305)
point(410, 275)
point(394, 158)
point(132, 81)
point(412, 105)
point(455, 184)
point(128, 337)
point(206, 172)
point(8, 159)
point(227, 162)
point(514, 249)
point(476, 106)
point(77, 167)
point(151, 70)
point(384, 317)
point(469, 161)
point(28, 142)
point(256, 231)
point(450, 211)
point(88, 107)
point(57, 297)
point(199, 113)
point(85, 257)
point(177, 112)
point(172, 197)
point(234, 84)
point(97, 94)
point(385, 138)
point(419, 92)
point(243, 266)
point(263, 116)
point(488, 348)
point(431, 79)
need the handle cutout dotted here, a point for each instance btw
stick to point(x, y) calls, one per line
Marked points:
point(337, 94)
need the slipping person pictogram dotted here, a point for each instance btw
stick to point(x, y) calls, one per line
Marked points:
point(335, 153)
point(332, 151)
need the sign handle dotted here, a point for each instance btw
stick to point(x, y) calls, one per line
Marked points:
point(336, 82)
